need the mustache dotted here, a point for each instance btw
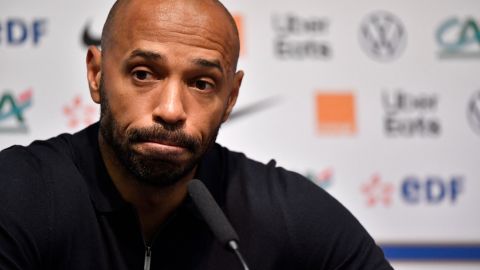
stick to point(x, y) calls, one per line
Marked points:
point(158, 133)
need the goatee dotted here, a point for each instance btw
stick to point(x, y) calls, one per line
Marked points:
point(159, 171)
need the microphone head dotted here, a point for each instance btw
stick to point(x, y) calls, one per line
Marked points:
point(211, 212)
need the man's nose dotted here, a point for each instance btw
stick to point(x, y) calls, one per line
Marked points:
point(170, 107)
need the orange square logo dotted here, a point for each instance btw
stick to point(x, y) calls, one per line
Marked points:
point(336, 113)
point(239, 22)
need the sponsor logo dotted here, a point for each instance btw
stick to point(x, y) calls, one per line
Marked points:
point(459, 38)
point(79, 114)
point(17, 32)
point(410, 115)
point(473, 112)
point(12, 111)
point(382, 36)
point(430, 190)
point(323, 178)
point(299, 38)
point(336, 113)
point(252, 108)
point(377, 192)
point(241, 31)
point(88, 39)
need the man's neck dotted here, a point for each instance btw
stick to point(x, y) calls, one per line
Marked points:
point(153, 204)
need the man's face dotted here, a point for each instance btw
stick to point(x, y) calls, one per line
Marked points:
point(167, 84)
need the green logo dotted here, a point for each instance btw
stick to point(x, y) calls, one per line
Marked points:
point(459, 39)
point(12, 110)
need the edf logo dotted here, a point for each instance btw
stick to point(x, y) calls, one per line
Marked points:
point(432, 190)
point(17, 31)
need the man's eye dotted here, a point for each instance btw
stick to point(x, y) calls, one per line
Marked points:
point(203, 85)
point(142, 75)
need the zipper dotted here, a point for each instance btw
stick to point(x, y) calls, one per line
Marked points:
point(148, 244)
point(148, 257)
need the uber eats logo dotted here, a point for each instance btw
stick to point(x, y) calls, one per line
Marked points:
point(410, 114)
point(459, 38)
point(300, 38)
point(12, 111)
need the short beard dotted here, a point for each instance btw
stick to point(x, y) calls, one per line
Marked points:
point(156, 172)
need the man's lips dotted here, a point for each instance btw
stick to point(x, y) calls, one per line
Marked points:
point(158, 147)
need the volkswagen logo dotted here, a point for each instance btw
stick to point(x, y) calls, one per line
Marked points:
point(382, 36)
point(473, 112)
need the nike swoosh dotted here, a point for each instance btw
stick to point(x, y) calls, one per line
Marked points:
point(87, 38)
point(253, 108)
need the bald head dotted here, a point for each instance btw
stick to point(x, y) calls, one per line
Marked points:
point(212, 9)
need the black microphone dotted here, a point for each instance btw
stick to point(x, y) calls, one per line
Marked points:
point(215, 218)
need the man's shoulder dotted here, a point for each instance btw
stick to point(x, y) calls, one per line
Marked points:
point(43, 197)
point(266, 175)
point(45, 174)
point(40, 169)
point(270, 186)
point(266, 201)
point(36, 156)
point(43, 156)
point(37, 171)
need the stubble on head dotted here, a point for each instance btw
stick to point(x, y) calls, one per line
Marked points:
point(110, 30)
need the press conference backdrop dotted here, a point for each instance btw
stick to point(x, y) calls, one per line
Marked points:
point(378, 102)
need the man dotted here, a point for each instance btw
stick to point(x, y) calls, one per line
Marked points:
point(113, 196)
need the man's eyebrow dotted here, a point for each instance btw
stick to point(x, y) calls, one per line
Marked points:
point(156, 56)
point(147, 55)
point(208, 63)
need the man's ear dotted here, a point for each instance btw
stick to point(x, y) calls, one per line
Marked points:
point(232, 99)
point(94, 72)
